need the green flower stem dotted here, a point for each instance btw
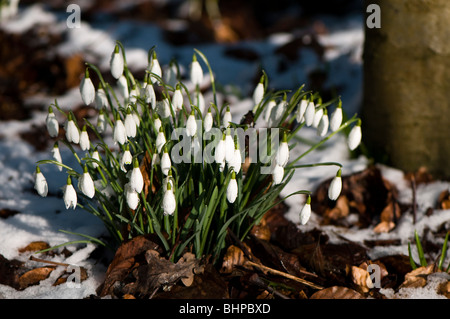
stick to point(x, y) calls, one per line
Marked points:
point(211, 74)
point(313, 165)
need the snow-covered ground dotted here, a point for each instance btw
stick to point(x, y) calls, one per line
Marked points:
point(43, 218)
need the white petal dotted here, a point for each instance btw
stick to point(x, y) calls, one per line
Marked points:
point(283, 154)
point(150, 95)
point(160, 141)
point(334, 190)
point(336, 119)
point(100, 99)
point(227, 118)
point(86, 185)
point(70, 197)
point(169, 203)
point(165, 163)
point(130, 125)
point(208, 122)
point(155, 68)
point(132, 196)
point(196, 73)
point(354, 138)
point(84, 141)
point(322, 129)
point(305, 214)
point(40, 184)
point(87, 90)
point(236, 163)
point(219, 155)
point(116, 64)
point(258, 93)
point(317, 117)
point(95, 156)
point(136, 180)
point(126, 159)
point(310, 114)
point(120, 135)
point(57, 156)
point(277, 174)
point(72, 133)
point(191, 126)
point(232, 190)
point(269, 107)
point(177, 100)
point(229, 148)
point(301, 111)
point(52, 125)
point(123, 86)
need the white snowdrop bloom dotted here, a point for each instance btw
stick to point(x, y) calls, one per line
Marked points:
point(157, 122)
point(277, 112)
point(310, 113)
point(258, 93)
point(163, 108)
point(227, 118)
point(87, 89)
point(232, 189)
point(86, 184)
point(70, 195)
point(336, 119)
point(101, 122)
point(40, 183)
point(168, 180)
point(236, 162)
point(166, 163)
point(317, 117)
point(219, 153)
point(96, 156)
point(85, 144)
point(130, 124)
point(322, 129)
point(305, 213)
point(269, 107)
point(155, 159)
point(57, 155)
point(191, 125)
point(52, 123)
point(132, 197)
point(126, 158)
point(208, 121)
point(334, 190)
point(150, 95)
point(282, 156)
point(136, 178)
point(200, 100)
point(169, 203)
point(136, 119)
point(171, 75)
point(116, 63)
point(134, 94)
point(72, 132)
point(155, 68)
point(301, 111)
point(160, 140)
point(122, 84)
point(177, 99)
point(354, 137)
point(196, 72)
point(101, 100)
point(229, 147)
point(277, 173)
point(222, 165)
point(120, 133)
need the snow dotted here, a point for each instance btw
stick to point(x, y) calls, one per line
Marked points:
point(43, 218)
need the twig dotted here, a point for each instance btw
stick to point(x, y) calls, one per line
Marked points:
point(48, 262)
point(280, 273)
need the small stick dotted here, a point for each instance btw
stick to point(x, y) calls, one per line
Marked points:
point(48, 262)
point(280, 273)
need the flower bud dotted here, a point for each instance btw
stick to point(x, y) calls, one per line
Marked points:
point(219, 153)
point(70, 195)
point(101, 100)
point(87, 89)
point(301, 111)
point(354, 137)
point(310, 113)
point(57, 155)
point(336, 119)
point(52, 123)
point(169, 203)
point(232, 189)
point(132, 197)
point(191, 125)
point(119, 134)
point(258, 93)
point(86, 184)
point(334, 190)
point(40, 183)
point(305, 212)
point(227, 118)
point(72, 133)
point(322, 129)
point(160, 140)
point(122, 84)
point(177, 99)
point(136, 178)
point(196, 73)
point(85, 144)
point(116, 63)
point(277, 174)
point(208, 121)
point(166, 163)
point(282, 157)
point(155, 68)
point(126, 158)
point(130, 124)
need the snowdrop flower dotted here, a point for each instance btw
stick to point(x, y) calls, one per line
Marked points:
point(317, 117)
point(301, 111)
point(157, 122)
point(132, 197)
point(155, 68)
point(101, 122)
point(57, 155)
point(160, 140)
point(70, 195)
point(168, 180)
point(258, 93)
point(120, 133)
point(196, 73)
point(130, 124)
point(134, 94)
point(136, 119)
point(310, 113)
point(126, 158)
point(96, 156)
point(166, 163)
point(136, 178)
point(335, 187)
point(101, 100)
point(200, 100)
point(171, 75)
point(169, 203)
point(84, 139)
point(52, 123)
point(163, 108)
point(87, 89)
point(116, 63)
point(277, 173)
point(208, 121)
point(40, 183)
point(282, 157)
point(123, 86)
point(72, 133)
point(336, 118)
point(270, 105)
point(306, 211)
point(236, 162)
point(177, 99)
point(232, 189)
point(354, 137)
point(86, 184)
point(229, 147)
point(191, 125)
point(277, 112)
point(219, 154)
point(322, 129)
point(227, 118)
point(150, 95)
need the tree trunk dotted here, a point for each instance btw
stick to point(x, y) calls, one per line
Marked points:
point(406, 107)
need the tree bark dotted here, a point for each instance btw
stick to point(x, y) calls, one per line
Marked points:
point(406, 106)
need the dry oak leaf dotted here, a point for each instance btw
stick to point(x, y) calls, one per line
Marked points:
point(417, 278)
point(337, 292)
point(34, 246)
point(234, 256)
point(160, 272)
point(34, 276)
point(361, 277)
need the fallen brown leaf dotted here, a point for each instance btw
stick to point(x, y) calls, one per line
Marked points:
point(361, 278)
point(337, 292)
point(34, 276)
point(417, 278)
point(34, 246)
point(234, 256)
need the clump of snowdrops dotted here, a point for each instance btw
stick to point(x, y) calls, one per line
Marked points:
point(165, 163)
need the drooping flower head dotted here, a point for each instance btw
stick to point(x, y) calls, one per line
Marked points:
point(116, 63)
point(70, 195)
point(306, 211)
point(52, 123)
point(196, 73)
point(354, 137)
point(86, 184)
point(40, 183)
point(232, 189)
point(87, 89)
point(334, 190)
